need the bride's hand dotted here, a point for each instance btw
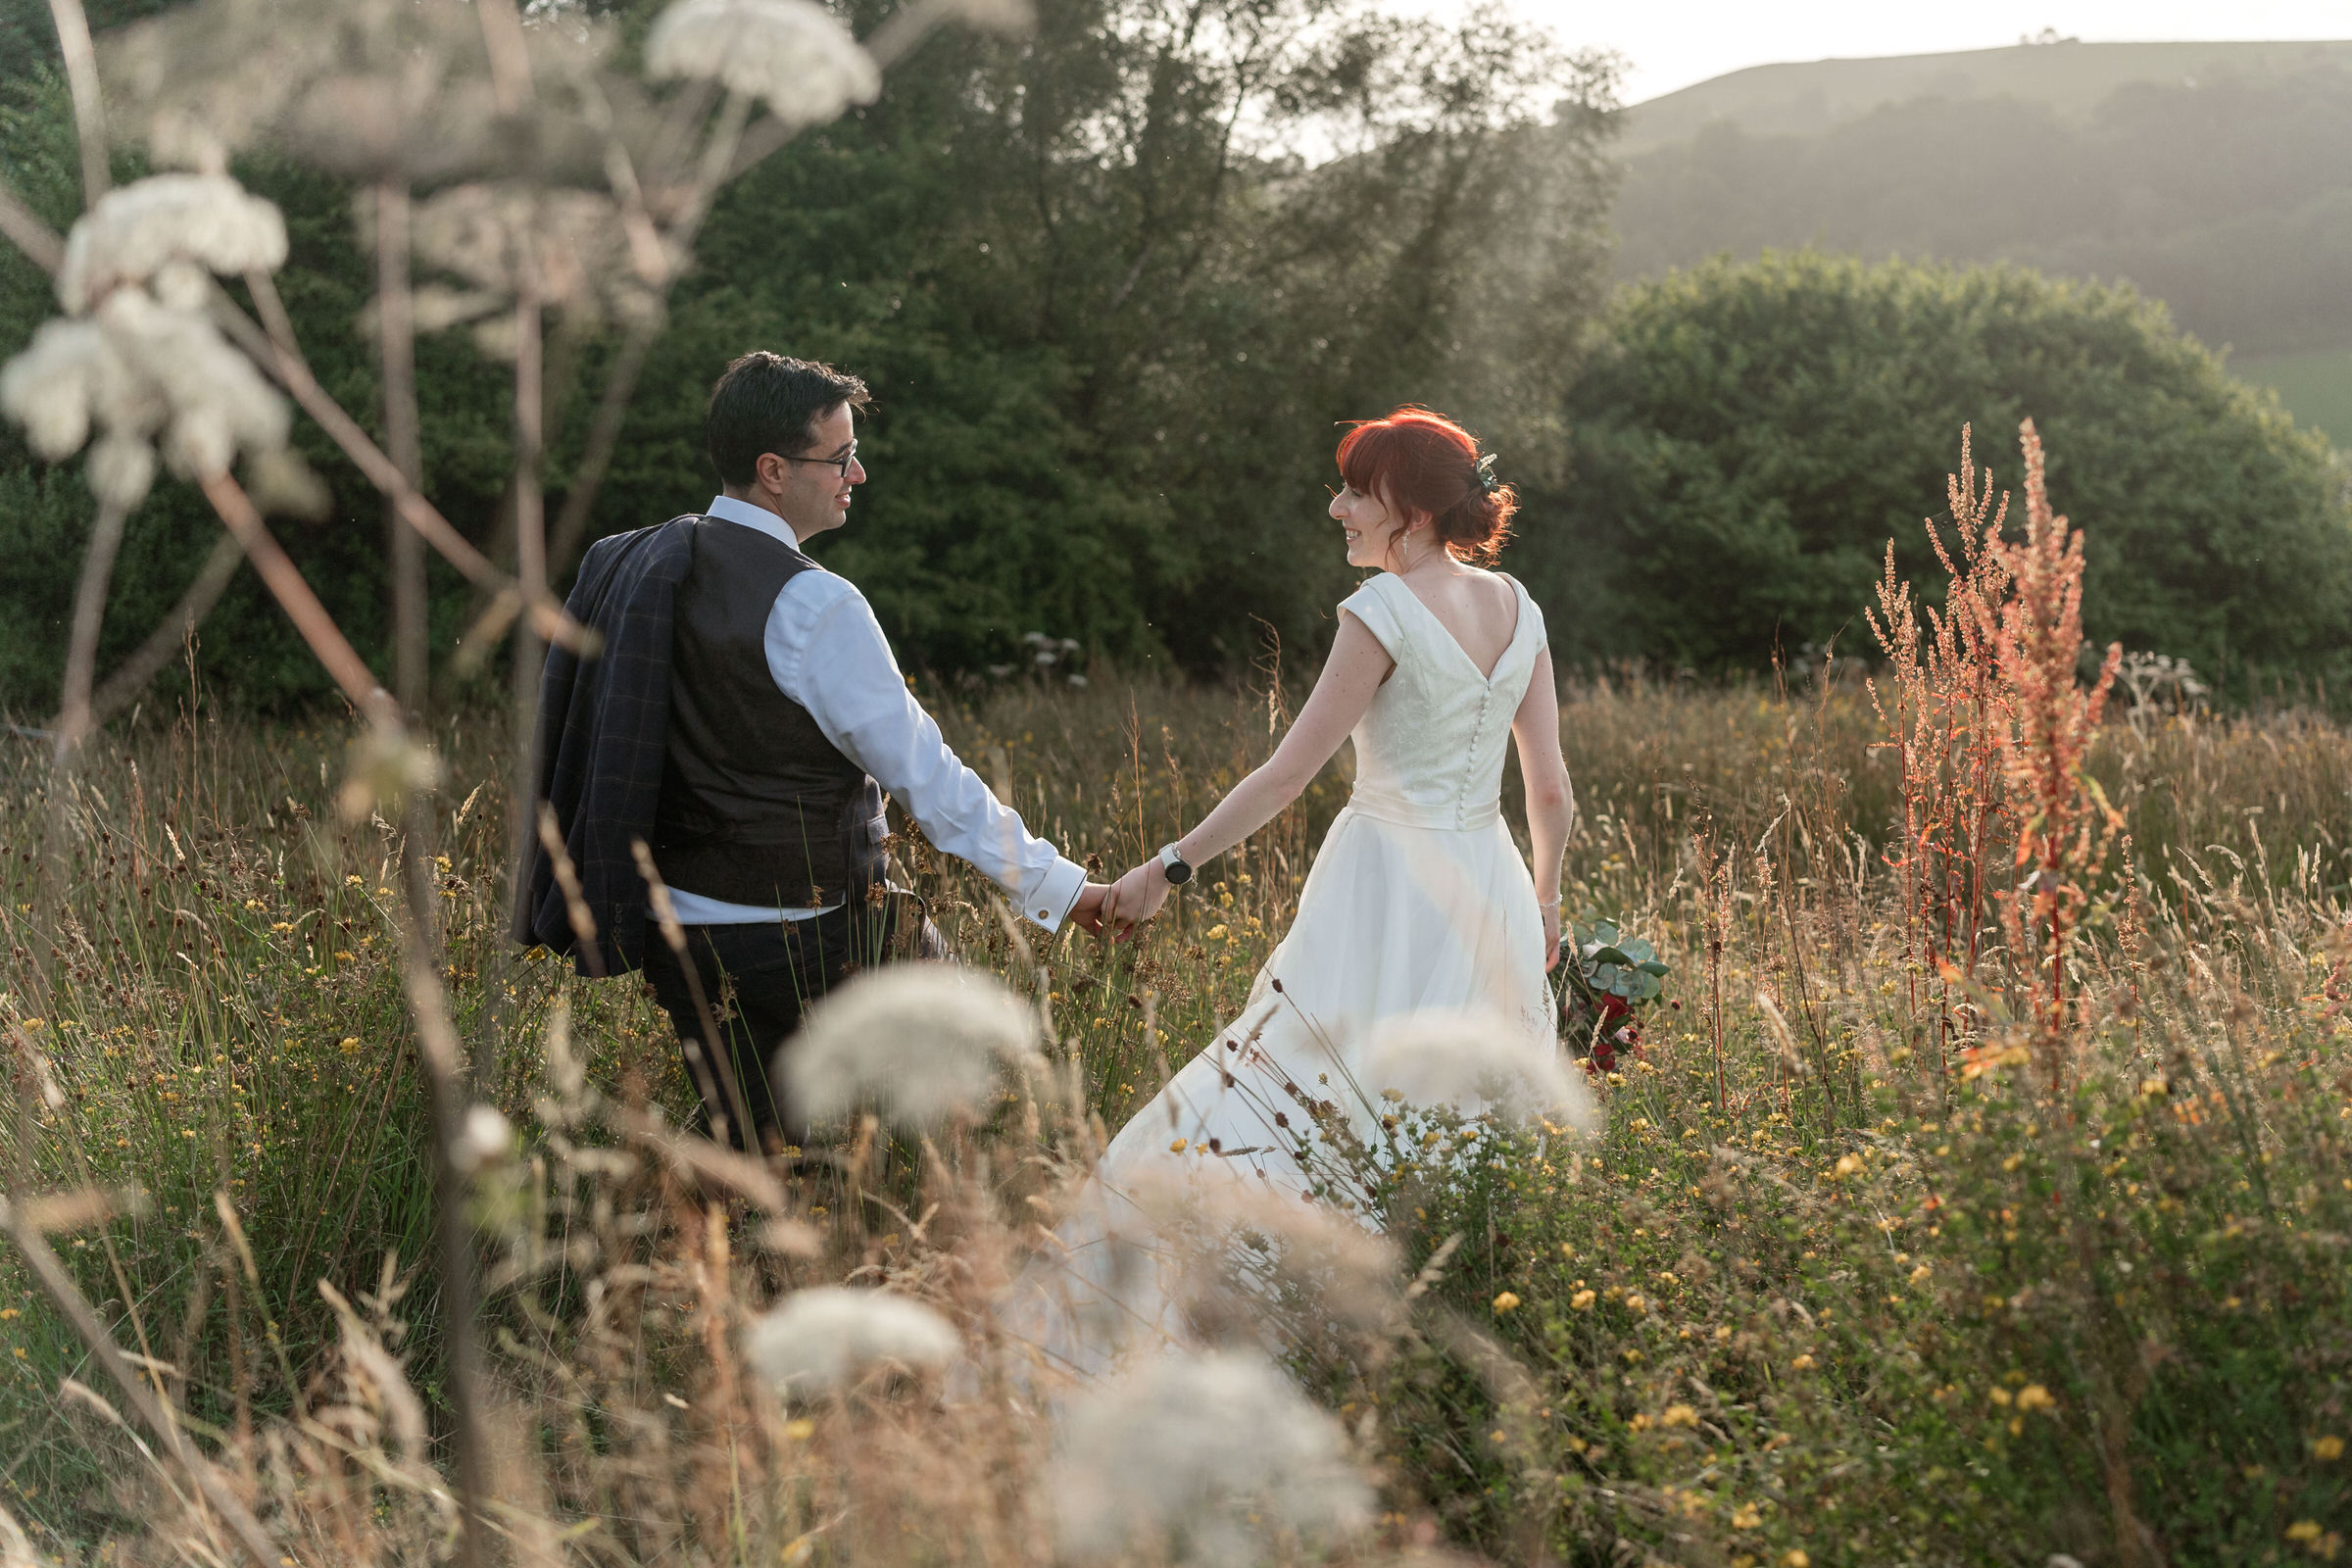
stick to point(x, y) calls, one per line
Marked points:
point(1552, 935)
point(1138, 896)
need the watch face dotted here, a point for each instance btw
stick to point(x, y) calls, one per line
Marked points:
point(1178, 874)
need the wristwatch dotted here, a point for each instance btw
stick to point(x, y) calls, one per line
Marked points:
point(1173, 866)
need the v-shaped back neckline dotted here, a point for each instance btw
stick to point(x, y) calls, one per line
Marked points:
point(1518, 625)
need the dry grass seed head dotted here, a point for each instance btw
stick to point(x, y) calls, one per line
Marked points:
point(1213, 1452)
point(823, 1338)
point(1470, 1059)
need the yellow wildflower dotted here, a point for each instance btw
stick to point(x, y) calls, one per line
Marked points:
point(1506, 1302)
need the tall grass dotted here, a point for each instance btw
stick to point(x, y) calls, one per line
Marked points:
point(1723, 1343)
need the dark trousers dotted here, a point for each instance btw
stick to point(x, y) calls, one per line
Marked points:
point(758, 980)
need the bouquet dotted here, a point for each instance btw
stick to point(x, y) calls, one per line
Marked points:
point(1607, 979)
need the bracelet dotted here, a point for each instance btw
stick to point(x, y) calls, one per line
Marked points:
point(1551, 902)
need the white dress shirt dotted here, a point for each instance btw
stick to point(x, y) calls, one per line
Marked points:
point(827, 654)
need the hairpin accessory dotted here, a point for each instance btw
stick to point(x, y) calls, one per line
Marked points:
point(1486, 474)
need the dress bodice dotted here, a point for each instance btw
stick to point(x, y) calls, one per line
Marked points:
point(1429, 751)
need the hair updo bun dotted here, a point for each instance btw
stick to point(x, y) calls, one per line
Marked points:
point(1419, 460)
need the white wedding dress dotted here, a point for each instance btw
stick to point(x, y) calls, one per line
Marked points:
point(1418, 902)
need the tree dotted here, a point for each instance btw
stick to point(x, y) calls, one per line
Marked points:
point(1114, 282)
point(1745, 440)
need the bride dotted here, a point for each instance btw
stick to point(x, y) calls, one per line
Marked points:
point(1418, 902)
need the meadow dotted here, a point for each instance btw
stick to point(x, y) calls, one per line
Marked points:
point(1975, 1190)
point(1841, 1280)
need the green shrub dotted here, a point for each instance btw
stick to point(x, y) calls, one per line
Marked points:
point(1746, 438)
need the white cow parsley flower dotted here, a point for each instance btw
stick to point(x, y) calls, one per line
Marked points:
point(140, 229)
point(924, 1041)
point(145, 375)
point(790, 53)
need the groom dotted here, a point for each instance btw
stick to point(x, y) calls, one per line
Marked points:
point(743, 720)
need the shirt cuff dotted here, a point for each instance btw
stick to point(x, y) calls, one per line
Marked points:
point(1048, 899)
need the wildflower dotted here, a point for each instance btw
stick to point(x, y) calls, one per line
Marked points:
point(1582, 1301)
point(1457, 1058)
point(1211, 1452)
point(1794, 1557)
point(790, 53)
point(1678, 1415)
point(1803, 1363)
point(571, 246)
point(2033, 1397)
point(1746, 1518)
point(924, 1040)
point(823, 1338)
point(1506, 1302)
point(138, 231)
point(2303, 1530)
point(2327, 1450)
point(143, 370)
point(1849, 1165)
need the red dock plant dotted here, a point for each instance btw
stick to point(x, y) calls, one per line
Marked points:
point(1944, 710)
point(2068, 824)
point(1990, 723)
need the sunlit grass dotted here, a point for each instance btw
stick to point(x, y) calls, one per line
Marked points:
point(1719, 1311)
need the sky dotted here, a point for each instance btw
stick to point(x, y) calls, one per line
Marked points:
point(1672, 43)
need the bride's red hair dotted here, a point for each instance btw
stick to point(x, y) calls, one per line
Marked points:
point(1416, 459)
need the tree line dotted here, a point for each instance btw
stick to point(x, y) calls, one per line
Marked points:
point(1117, 283)
point(1114, 283)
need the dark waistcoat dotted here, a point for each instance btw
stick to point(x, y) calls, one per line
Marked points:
point(757, 806)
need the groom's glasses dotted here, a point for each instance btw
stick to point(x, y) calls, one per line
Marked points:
point(840, 465)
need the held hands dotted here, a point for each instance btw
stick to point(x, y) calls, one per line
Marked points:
point(1138, 896)
point(1121, 906)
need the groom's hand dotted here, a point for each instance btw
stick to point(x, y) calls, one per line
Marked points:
point(1087, 913)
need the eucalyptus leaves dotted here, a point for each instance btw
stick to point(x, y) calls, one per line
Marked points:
point(1609, 978)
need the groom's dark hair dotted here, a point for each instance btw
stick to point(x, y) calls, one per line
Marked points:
point(770, 403)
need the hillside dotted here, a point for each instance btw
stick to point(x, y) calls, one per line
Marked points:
point(1812, 96)
point(2213, 176)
